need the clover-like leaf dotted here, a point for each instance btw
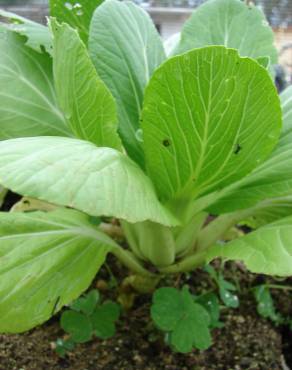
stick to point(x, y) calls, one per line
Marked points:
point(77, 325)
point(186, 321)
point(103, 319)
point(87, 303)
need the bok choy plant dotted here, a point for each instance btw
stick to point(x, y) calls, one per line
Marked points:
point(99, 122)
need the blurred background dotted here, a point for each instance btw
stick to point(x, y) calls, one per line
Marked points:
point(169, 15)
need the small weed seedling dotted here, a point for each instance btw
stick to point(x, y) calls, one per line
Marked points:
point(226, 289)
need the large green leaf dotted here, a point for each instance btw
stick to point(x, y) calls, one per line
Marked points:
point(47, 260)
point(77, 14)
point(267, 250)
point(86, 102)
point(205, 121)
point(270, 183)
point(37, 35)
point(27, 97)
point(125, 48)
point(231, 23)
point(75, 173)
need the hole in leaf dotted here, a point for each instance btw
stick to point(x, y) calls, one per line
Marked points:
point(166, 142)
point(237, 149)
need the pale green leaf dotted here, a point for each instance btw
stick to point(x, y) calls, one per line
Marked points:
point(27, 97)
point(126, 49)
point(47, 260)
point(86, 102)
point(267, 211)
point(75, 173)
point(77, 14)
point(231, 23)
point(206, 116)
point(270, 183)
point(37, 35)
point(267, 250)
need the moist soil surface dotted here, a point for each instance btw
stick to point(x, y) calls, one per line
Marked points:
point(246, 341)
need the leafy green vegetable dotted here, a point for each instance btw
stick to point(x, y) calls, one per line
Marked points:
point(187, 322)
point(93, 117)
point(37, 36)
point(269, 187)
point(57, 161)
point(77, 14)
point(28, 101)
point(47, 260)
point(125, 48)
point(267, 250)
point(85, 100)
point(231, 23)
point(199, 115)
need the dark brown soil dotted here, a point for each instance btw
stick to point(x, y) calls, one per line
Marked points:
point(246, 341)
